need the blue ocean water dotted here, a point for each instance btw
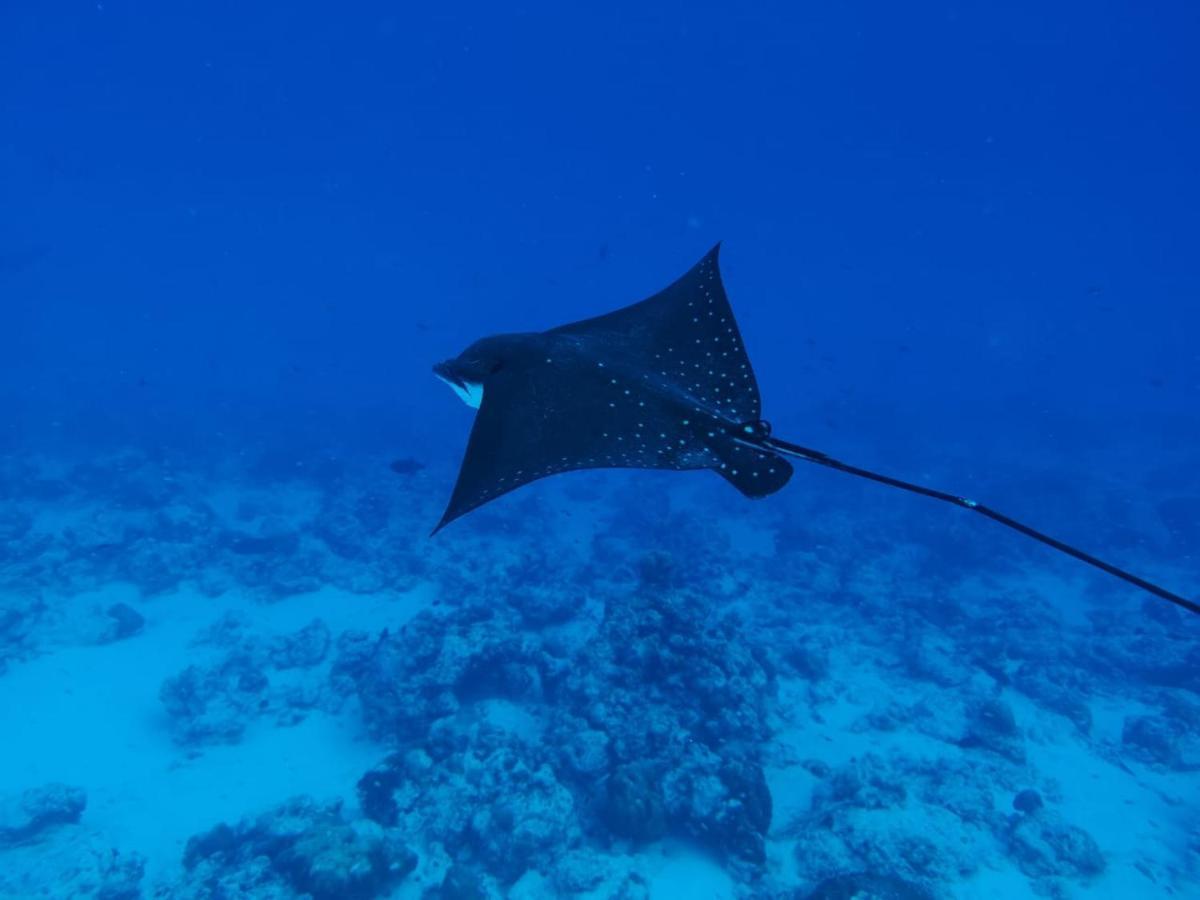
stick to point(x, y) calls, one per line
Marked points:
point(960, 244)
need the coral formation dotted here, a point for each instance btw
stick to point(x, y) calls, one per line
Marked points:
point(309, 847)
point(24, 818)
point(570, 715)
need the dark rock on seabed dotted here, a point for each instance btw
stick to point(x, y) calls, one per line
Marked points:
point(867, 886)
point(311, 848)
point(127, 621)
point(26, 817)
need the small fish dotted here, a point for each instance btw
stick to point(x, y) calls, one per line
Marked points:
point(406, 466)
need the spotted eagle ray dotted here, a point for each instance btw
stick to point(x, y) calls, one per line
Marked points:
point(663, 384)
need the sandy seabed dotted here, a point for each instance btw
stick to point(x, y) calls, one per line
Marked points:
point(247, 683)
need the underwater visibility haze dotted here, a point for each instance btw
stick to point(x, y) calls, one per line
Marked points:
point(958, 257)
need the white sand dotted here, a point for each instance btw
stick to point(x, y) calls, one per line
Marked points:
point(91, 717)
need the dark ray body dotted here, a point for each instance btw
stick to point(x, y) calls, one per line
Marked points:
point(663, 384)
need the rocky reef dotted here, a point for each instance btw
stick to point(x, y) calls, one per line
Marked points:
point(780, 707)
point(300, 849)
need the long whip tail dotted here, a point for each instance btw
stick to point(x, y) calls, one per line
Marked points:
point(822, 459)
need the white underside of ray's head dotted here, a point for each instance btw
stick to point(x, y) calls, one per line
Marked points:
point(469, 392)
